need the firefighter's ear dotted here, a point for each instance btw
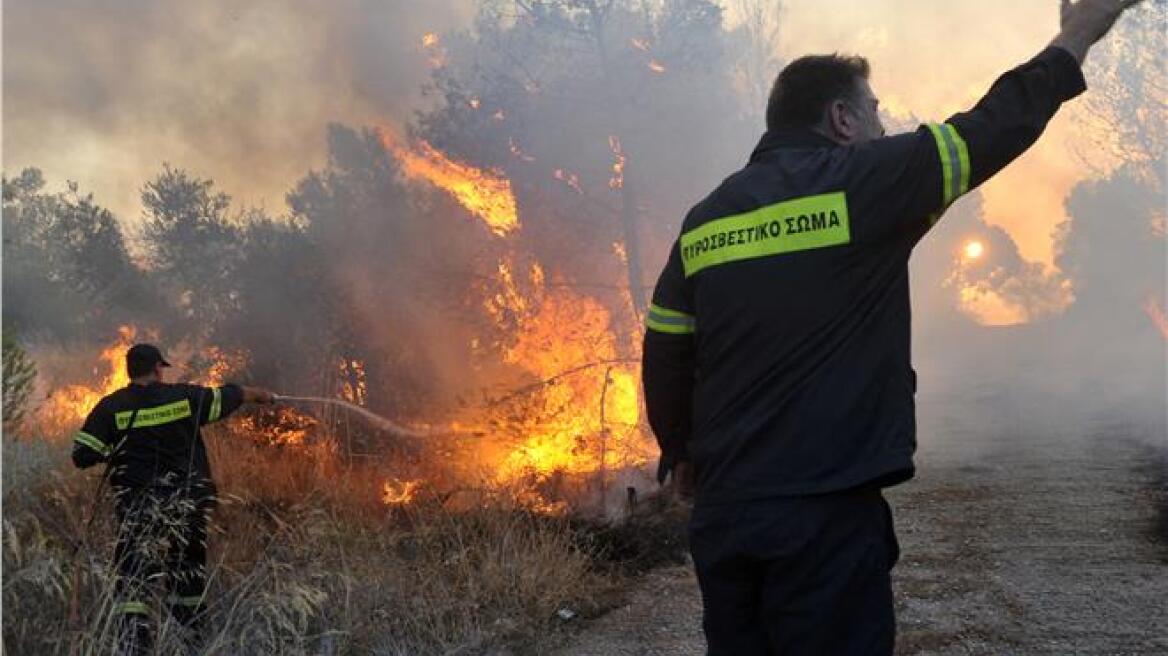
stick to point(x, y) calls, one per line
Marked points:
point(841, 124)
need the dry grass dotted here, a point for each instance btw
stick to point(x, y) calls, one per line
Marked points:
point(305, 559)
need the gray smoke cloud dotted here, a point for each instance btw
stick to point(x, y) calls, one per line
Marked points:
point(104, 93)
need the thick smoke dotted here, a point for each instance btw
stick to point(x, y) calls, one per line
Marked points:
point(104, 93)
point(244, 94)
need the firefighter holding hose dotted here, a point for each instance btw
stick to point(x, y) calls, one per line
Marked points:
point(776, 357)
point(148, 435)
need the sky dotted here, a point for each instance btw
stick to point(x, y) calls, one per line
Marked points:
point(240, 92)
point(933, 59)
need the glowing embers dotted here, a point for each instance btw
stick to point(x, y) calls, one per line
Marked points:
point(354, 387)
point(484, 193)
point(400, 493)
point(278, 426)
point(617, 180)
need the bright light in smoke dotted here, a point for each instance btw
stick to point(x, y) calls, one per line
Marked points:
point(973, 250)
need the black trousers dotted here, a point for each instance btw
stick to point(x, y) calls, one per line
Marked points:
point(162, 536)
point(800, 575)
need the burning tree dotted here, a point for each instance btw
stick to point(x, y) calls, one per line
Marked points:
point(482, 272)
point(563, 279)
point(628, 78)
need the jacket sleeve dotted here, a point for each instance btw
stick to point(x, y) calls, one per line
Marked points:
point(926, 171)
point(93, 443)
point(668, 364)
point(215, 403)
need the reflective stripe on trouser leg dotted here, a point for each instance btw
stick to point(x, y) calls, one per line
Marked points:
point(131, 608)
point(192, 601)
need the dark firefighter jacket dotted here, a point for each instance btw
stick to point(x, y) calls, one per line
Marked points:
point(776, 357)
point(164, 440)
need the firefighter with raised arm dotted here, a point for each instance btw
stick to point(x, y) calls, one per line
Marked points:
point(147, 434)
point(776, 356)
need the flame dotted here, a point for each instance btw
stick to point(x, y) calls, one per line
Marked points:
point(587, 397)
point(656, 66)
point(617, 180)
point(69, 405)
point(578, 414)
point(639, 44)
point(621, 253)
point(437, 54)
point(399, 493)
point(278, 425)
point(222, 364)
point(474, 102)
point(354, 387)
point(509, 301)
point(499, 115)
point(486, 194)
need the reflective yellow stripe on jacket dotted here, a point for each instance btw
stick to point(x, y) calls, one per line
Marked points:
point(954, 162)
point(216, 404)
point(85, 439)
point(674, 322)
point(155, 416)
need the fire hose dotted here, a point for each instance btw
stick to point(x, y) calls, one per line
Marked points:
point(375, 419)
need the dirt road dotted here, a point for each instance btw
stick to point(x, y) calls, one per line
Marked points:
point(1050, 544)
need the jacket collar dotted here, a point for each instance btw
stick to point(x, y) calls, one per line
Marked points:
point(776, 139)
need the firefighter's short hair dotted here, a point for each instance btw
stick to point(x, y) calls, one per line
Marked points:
point(806, 86)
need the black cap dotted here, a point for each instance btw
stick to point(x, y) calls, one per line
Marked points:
point(142, 358)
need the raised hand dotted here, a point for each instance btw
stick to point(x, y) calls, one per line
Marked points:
point(1085, 22)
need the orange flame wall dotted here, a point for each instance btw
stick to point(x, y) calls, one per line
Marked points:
point(582, 414)
point(484, 194)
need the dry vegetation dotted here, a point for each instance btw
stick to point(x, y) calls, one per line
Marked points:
point(306, 558)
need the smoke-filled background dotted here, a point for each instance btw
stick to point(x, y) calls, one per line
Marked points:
point(279, 181)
